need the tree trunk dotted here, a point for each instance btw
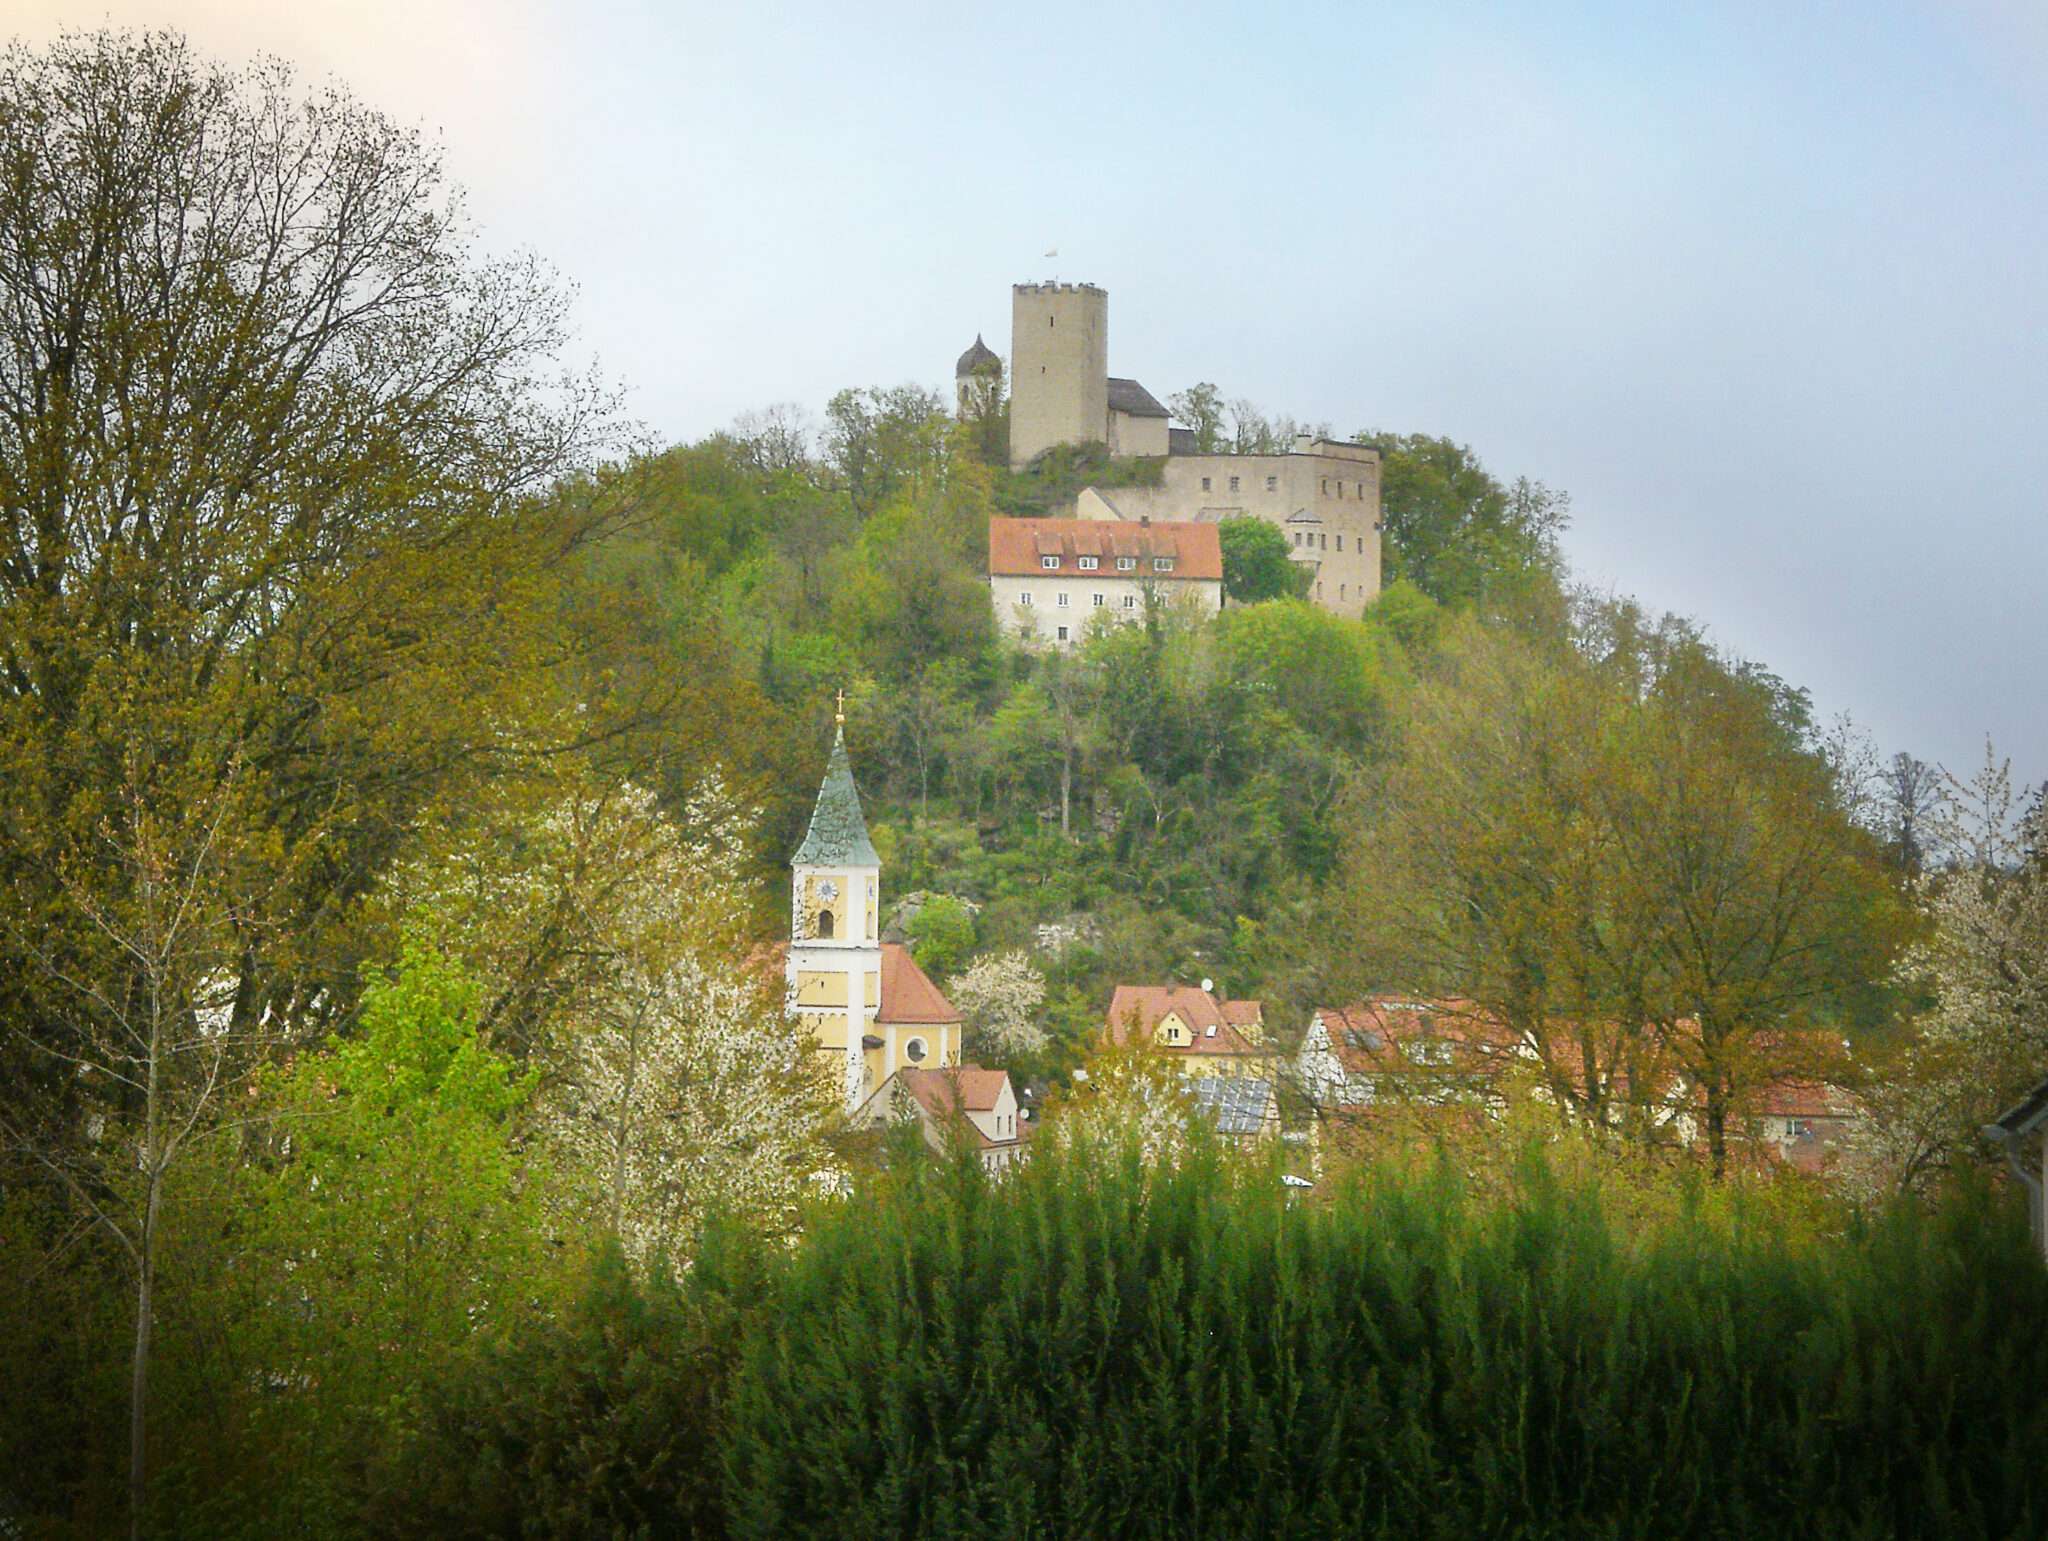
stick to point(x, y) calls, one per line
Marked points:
point(623, 1132)
point(138, 1392)
point(1066, 792)
point(1717, 1132)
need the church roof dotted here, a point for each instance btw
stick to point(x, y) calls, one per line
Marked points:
point(908, 995)
point(977, 358)
point(838, 836)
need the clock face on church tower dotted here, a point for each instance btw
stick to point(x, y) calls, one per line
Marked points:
point(828, 890)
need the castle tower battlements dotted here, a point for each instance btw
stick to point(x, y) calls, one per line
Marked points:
point(1059, 368)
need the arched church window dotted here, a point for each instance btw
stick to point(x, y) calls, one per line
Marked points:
point(825, 925)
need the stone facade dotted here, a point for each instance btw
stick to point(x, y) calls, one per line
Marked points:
point(1325, 498)
point(1324, 495)
point(1059, 368)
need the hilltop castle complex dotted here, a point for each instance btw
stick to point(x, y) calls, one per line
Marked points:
point(1324, 495)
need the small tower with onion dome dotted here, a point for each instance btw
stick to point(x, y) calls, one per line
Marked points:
point(977, 383)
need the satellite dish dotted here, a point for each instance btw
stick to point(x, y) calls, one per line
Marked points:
point(1208, 985)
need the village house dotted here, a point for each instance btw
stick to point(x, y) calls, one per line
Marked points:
point(2021, 1133)
point(1390, 1049)
point(1049, 577)
point(1805, 1122)
point(964, 1101)
point(1204, 1036)
point(1390, 1052)
point(1797, 1109)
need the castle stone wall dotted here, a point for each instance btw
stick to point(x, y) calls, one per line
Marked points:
point(1325, 498)
point(1059, 368)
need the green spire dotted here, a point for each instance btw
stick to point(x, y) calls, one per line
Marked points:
point(838, 836)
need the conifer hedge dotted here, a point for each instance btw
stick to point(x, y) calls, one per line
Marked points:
point(1094, 1346)
point(1098, 1348)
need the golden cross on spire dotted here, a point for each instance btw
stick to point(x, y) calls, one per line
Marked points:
point(839, 717)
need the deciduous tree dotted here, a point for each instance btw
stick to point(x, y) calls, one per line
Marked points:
point(1981, 1040)
point(273, 448)
point(1256, 563)
point(998, 997)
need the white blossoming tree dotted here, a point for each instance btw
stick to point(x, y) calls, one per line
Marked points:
point(674, 1083)
point(689, 1092)
point(998, 997)
point(1983, 968)
point(1125, 1095)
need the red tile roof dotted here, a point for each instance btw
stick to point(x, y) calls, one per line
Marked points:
point(1016, 546)
point(1793, 1098)
point(1790, 1071)
point(1135, 1010)
point(908, 997)
point(976, 1089)
point(960, 1088)
point(1367, 1037)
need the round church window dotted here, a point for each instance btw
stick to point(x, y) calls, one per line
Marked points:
point(915, 1051)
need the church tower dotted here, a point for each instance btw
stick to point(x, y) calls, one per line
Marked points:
point(977, 382)
point(835, 951)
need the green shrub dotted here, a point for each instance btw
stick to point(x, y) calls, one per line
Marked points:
point(1095, 1348)
point(601, 1424)
point(942, 936)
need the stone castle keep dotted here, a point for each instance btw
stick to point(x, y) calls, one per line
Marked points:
point(1324, 495)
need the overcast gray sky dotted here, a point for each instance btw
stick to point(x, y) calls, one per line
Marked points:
point(1764, 287)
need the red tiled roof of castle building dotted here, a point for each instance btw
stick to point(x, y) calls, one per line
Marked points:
point(1017, 547)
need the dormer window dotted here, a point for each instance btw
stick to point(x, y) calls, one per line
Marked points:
point(1088, 564)
point(1126, 564)
point(1049, 563)
point(1162, 564)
